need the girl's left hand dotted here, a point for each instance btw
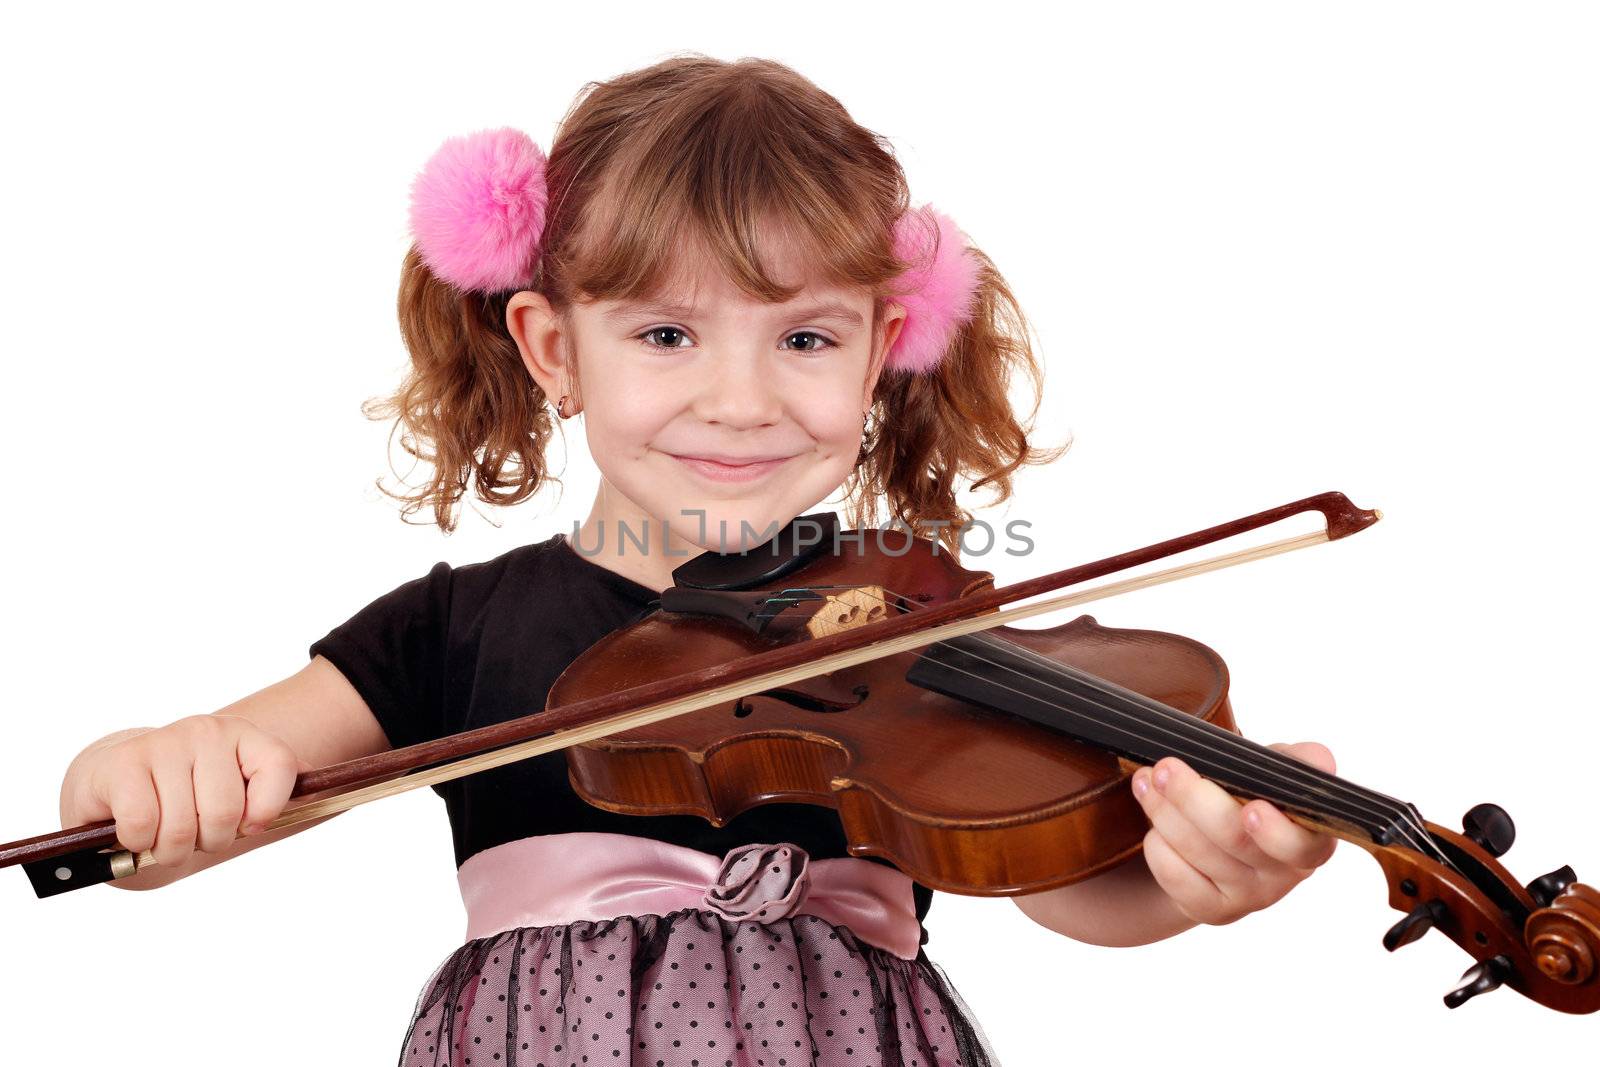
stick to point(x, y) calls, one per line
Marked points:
point(1219, 860)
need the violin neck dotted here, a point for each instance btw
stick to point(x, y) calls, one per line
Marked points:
point(988, 670)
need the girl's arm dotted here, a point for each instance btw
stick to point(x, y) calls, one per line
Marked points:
point(185, 789)
point(1206, 859)
point(1121, 907)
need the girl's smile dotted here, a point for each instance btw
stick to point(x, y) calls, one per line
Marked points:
point(732, 469)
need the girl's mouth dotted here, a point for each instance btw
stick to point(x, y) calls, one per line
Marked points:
point(731, 469)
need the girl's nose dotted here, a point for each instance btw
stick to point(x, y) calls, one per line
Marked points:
point(741, 392)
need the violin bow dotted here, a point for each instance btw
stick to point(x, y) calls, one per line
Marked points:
point(80, 856)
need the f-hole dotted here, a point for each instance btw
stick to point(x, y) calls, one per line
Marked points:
point(803, 701)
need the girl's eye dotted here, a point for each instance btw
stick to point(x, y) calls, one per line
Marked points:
point(671, 330)
point(815, 337)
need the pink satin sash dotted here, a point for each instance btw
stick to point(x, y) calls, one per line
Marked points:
point(555, 879)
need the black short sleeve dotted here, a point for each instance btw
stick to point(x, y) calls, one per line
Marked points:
point(392, 652)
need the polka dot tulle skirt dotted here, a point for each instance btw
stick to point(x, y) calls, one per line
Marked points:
point(689, 989)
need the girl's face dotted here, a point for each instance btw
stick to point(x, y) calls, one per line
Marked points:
point(712, 415)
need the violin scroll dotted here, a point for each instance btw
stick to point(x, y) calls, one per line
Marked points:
point(1541, 940)
point(1565, 935)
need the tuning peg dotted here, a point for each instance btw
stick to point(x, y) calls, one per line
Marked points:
point(1420, 920)
point(1481, 977)
point(1547, 887)
point(1490, 828)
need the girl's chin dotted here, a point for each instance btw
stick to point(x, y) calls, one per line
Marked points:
point(731, 525)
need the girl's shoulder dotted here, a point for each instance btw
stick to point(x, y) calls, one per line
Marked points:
point(524, 563)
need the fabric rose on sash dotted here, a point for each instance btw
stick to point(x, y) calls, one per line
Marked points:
point(760, 883)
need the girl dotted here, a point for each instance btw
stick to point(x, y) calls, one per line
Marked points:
point(721, 272)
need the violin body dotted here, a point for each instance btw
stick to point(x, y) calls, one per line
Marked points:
point(961, 797)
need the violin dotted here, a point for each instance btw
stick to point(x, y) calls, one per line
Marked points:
point(885, 682)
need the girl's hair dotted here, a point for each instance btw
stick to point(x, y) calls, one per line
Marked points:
point(698, 153)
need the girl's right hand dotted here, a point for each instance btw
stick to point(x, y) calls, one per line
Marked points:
point(195, 785)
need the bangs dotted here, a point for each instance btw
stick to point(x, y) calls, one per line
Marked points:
point(737, 190)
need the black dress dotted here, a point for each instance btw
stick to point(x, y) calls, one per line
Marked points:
point(468, 646)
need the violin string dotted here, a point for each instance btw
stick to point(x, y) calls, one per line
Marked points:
point(1402, 816)
point(1246, 752)
point(1314, 778)
point(1206, 734)
point(1203, 733)
point(1251, 756)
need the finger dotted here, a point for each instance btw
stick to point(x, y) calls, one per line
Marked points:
point(1195, 895)
point(270, 768)
point(129, 797)
point(1285, 840)
point(1212, 810)
point(176, 826)
point(218, 796)
point(1152, 786)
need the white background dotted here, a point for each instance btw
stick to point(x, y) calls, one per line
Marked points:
point(1268, 249)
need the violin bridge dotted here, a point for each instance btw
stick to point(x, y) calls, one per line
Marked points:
point(848, 610)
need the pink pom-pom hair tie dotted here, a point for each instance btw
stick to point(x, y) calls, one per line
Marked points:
point(478, 210)
point(938, 291)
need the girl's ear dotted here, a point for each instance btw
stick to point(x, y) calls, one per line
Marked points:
point(537, 330)
point(894, 317)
